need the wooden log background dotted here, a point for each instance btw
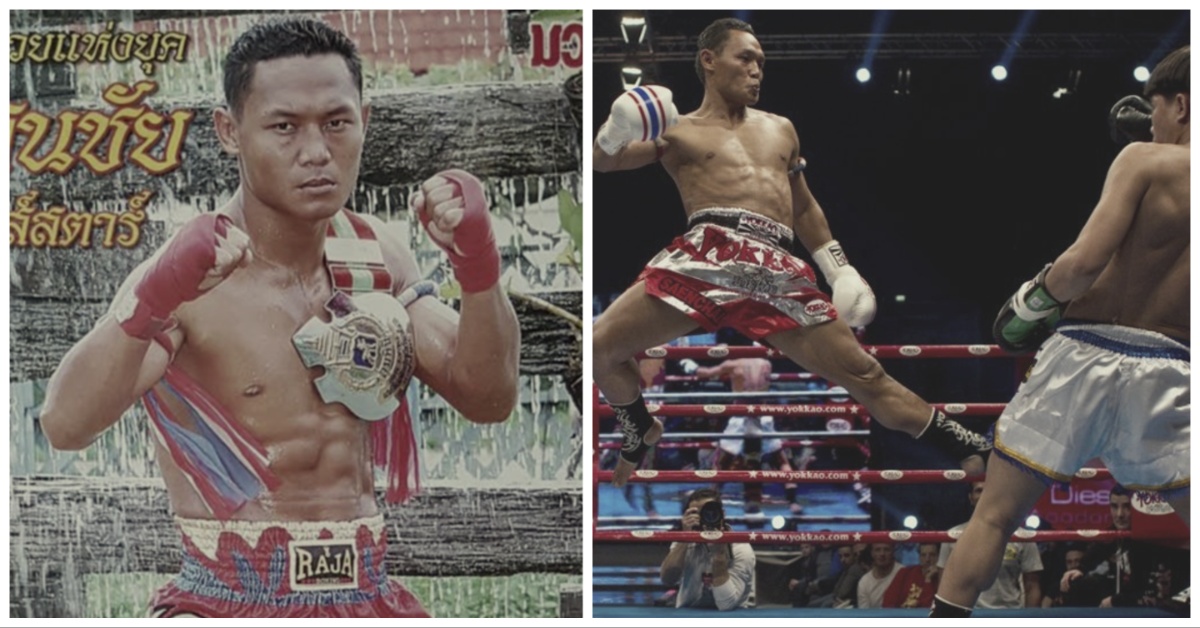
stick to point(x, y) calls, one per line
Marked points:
point(521, 138)
point(63, 528)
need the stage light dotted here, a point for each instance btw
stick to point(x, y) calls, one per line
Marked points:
point(1141, 74)
point(910, 522)
point(1032, 522)
point(631, 76)
point(999, 72)
point(778, 522)
point(903, 82)
point(1070, 86)
point(633, 28)
point(863, 75)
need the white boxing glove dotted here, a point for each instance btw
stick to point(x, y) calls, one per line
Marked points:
point(641, 114)
point(852, 297)
point(689, 366)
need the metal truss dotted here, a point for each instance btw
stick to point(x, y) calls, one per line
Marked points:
point(853, 46)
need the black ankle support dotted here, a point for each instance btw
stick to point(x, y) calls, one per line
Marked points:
point(635, 421)
point(942, 608)
point(951, 437)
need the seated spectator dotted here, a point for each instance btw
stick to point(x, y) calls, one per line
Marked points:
point(812, 577)
point(914, 586)
point(1126, 572)
point(883, 570)
point(855, 562)
point(1072, 560)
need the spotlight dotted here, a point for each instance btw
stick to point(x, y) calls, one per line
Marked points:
point(910, 522)
point(903, 81)
point(1141, 74)
point(1032, 522)
point(631, 76)
point(633, 28)
point(1070, 86)
point(863, 75)
point(999, 72)
point(778, 522)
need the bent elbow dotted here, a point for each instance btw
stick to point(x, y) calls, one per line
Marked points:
point(497, 409)
point(57, 429)
point(602, 161)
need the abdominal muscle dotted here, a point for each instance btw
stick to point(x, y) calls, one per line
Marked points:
point(324, 466)
point(762, 190)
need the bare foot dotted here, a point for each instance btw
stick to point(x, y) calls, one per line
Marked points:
point(624, 467)
point(974, 465)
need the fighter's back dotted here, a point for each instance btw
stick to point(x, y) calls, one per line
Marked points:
point(1146, 283)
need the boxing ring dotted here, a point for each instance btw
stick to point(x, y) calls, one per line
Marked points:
point(610, 582)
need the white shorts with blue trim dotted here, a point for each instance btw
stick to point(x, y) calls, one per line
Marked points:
point(1119, 393)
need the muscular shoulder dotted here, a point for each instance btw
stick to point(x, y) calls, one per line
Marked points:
point(398, 256)
point(1149, 158)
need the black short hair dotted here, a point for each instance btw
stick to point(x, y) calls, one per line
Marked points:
point(279, 38)
point(701, 494)
point(1172, 75)
point(1118, 491)
point(713, 38)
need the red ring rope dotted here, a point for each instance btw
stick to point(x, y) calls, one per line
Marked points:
point(879, 351)
point(795, 409)
point(706, 443)
point(890, 476)
point(878, 536)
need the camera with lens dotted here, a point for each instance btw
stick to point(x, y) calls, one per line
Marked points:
point(712, 516)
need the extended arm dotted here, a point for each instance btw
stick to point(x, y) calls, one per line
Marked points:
point(852, 297)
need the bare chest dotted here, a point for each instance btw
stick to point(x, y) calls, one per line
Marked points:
point(238, 343)
point(712, 147)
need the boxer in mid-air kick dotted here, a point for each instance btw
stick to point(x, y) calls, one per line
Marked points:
point(272, 342)
point(1111, 315)
point(740, 175)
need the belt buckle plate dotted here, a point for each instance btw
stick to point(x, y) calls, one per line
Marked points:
point(323, 565)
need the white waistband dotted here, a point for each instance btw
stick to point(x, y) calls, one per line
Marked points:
point(206, 533)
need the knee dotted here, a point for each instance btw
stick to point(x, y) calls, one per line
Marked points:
point(606, 350)
point(1001, 521)
point(866, 372)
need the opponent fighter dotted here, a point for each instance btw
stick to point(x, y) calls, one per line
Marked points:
point(1113, 379)
point(272, 341)
point(749, 375)
point(740, 175)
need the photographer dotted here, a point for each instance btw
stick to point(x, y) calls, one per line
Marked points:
point(709, 575)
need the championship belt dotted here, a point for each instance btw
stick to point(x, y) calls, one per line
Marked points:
point(367, 348)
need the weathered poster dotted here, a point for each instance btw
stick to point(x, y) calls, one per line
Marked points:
point(114, 148)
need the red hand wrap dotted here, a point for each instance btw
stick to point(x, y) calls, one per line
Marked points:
point(477, 260)
point(174, 278)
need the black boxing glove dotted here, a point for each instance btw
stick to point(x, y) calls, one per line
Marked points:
point(1028, 318)
point(1129, 120)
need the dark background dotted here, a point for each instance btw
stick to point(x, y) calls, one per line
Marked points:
point(951, 195)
